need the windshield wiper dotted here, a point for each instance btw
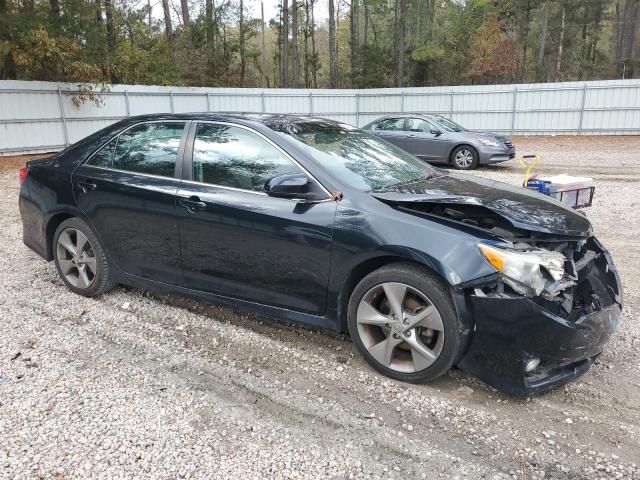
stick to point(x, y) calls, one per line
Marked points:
point(409, 182)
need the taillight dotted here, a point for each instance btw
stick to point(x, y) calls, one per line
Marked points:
point(24, 172)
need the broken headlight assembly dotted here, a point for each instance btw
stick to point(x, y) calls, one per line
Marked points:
point(529, 272)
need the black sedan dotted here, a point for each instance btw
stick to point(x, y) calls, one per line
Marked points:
point(316, 222)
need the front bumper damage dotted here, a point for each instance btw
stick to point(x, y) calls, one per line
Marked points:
point(565, 332)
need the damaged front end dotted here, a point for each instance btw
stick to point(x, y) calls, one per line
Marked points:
point(552, 304)
point(542, 321)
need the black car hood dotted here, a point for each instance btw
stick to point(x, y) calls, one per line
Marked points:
point(522, 208)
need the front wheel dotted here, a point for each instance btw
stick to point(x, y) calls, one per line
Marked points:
point(464, 158)
point(402, 320)
point(80, 259)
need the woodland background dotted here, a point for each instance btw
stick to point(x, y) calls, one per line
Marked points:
point(355, 43)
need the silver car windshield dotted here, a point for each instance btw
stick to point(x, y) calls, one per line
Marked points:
point(356, 158)
point(446, 124)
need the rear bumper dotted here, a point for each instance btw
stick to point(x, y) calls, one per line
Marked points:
point(510, 330)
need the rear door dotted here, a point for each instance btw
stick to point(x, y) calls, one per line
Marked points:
point(392, 130)
point(423, 141)
point(237, 241)
point(127, 190)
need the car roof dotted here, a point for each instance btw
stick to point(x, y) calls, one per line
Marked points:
point(263, 118)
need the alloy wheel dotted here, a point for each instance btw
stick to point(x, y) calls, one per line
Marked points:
point(464, 158)
point(75, 258)
point(400, 327)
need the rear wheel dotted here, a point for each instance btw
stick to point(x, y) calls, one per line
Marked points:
point(464, 157)
point(402, 320)
point(80, 259)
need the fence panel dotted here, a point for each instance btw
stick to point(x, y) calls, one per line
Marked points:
point(42, 116)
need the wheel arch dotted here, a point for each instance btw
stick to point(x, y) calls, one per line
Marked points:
point(364, 268)
point(52, 225)
point(462, 144)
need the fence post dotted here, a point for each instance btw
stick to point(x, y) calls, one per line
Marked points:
point(358, 109)
point(63, 118)
point(171, 100)
point(310, 103)
point(451, 104)
point(584, 97)
point(513, 110)
point(402, 101)
point(208, 102)
point(263, 102)
point(126, 102)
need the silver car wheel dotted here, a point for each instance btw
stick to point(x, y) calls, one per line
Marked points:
point(75, 258)
point(464, 158)
point(400, 327)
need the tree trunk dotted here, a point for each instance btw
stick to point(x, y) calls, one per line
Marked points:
point(314, 70)
point(168, 25)
point(333, 67)
point(295, 53)
point(399, 29)
point(596, 32)
point(98, 14)
point(306, 44)
point(525, 43)
point(629, 31)
point(241, 32)
point(211, 34)
point(543, 40)
point(184, 5)
point(111, 32)
point(54, 13)
point(264, 51)
point(284, 81)
point(561, 41)
point(353, 27)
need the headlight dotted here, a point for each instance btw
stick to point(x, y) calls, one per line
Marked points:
point(527, 272)
point(489, 143)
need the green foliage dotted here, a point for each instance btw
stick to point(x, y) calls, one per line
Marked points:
point(445, 42)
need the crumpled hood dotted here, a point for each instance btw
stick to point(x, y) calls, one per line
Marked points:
point(523, 208)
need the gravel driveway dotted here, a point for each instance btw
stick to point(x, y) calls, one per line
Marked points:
point(139, 385)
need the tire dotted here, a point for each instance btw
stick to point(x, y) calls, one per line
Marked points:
point(86, 273)
point(464, 157)
point(407, 364)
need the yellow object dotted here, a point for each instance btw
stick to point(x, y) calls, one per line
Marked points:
point(492, 256)
point(528, 162)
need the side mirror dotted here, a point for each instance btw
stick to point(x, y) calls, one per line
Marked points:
point(435, 131)
point(288, 186)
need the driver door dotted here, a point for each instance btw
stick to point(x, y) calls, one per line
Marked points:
point(237, 241)
point(426, 141)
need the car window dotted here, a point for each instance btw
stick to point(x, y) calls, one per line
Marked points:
point(390, 124)
point(104, 156)
point(236, 157)
point(358, 159)
point(150, 148)
point(418, 125)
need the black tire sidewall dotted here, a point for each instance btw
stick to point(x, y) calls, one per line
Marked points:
point(436, 290)
point(101, 282)
point(474, 152)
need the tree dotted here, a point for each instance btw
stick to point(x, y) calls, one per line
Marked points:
point(168, 27)
point(284, 79)
point(333, 65)
point(295, 58)
point(627, 40)
point(492, 53)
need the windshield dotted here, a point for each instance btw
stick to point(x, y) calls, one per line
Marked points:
point(446, 124)
point(356, 158)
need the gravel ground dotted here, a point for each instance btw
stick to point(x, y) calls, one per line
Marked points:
point(138, 385)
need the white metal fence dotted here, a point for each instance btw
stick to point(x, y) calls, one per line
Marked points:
point(41, 117)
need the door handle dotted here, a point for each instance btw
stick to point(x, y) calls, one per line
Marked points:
point(192, 204)
point(87, 186)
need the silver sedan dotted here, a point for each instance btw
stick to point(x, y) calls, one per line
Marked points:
point(437, 139)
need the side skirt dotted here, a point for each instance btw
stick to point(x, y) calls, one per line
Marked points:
point(284, 314)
